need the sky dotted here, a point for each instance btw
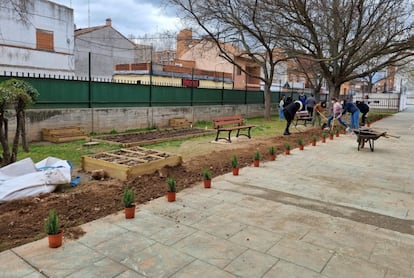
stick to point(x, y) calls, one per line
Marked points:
point(129, 17)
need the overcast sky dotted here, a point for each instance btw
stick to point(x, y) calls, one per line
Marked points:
point(129, 17)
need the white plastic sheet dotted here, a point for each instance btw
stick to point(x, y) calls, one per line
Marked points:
point(24, 178)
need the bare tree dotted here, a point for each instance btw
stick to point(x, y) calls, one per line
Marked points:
point(239, 30)
point(344, 36)
point(19, 7)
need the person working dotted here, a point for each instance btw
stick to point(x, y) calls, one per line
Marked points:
point(350, 107)
point(290, 111)
point(337, 108)
point(364, 108)
point(318, 110)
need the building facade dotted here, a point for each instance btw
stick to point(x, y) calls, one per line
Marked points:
point(100, 48)
point(38, 40)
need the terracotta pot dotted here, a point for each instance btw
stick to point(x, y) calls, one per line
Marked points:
point(287, 152)
point(256, 163)
point(130, 212)
point(301, 147)
point(171, 196)
point(337, 134)
point(343, 131)
point(207, 183)
point(55, 241)
point(314, 143)
point(331, 137)
point(272, 157)
point(235, 171)
point(323, 140)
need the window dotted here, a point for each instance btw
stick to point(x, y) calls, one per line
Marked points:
point(44, 40)
point(239, 71)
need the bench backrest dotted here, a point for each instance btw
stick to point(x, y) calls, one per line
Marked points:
point(227, 120)
point(302, 114)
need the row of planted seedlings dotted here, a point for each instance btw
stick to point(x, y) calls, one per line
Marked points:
point(55, 233)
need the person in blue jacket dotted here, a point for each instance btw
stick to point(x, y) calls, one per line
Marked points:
point(350, 107)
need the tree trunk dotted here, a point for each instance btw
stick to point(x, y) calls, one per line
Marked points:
point(5, 159)
point(15, 147)
point(267, 102)
point(25, 146)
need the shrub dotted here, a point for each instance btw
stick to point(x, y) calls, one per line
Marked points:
point(234, 161)
point(207, 174)
point(52, 223)
point(128, 197)
point(172, 187)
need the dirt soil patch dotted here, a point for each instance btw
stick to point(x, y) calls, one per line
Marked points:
point(153, 136)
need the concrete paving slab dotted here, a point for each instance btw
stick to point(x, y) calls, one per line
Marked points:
point(201, 269)
point(211, 249)
point(14, 266)
point(58, 262)
point(251, 264)
point(286, 269)
point(302, 253)
point(342, 266)
point(157, 261)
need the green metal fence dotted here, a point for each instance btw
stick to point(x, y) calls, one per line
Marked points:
point(64, 93)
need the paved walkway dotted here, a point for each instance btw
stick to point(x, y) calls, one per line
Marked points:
point(303, 215)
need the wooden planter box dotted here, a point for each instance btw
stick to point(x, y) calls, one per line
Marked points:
point(125, 164)
point(63, 134)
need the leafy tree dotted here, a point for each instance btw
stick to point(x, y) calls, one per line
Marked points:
point(349, 39)
point(19, 95)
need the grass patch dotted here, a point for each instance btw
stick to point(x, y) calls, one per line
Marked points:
point(71, 151)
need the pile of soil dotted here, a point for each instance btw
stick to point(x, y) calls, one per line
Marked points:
point(22, 221)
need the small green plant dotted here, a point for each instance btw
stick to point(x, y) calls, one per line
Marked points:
point(172, 187)
point(113, 131)
point(287, 146)
point(207, 174)
point(314, 138)
point(324, 135)
point(234, 161)
point(272, 150)
point(299, 140)
point(257, 155)
point(52, 223)
point(331, 132)
point(128, 197)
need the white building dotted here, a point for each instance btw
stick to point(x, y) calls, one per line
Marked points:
point(41, 41)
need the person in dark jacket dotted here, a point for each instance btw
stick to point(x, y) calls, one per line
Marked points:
point(364, 108)
point(350, 107)
point(290, 111)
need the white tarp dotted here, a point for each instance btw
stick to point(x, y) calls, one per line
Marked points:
point(24, 178)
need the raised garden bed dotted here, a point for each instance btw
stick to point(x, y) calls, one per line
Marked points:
point(152, 137)
point(125, 164)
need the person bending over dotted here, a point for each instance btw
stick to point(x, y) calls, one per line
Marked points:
point(290, 111)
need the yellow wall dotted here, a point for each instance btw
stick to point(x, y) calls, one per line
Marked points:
point(170, 81)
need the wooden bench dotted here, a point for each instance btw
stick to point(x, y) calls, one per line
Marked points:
point(230, 123)
point(302, 116)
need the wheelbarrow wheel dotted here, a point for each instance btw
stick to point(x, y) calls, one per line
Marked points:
point(360, 143)
point(371, 145)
